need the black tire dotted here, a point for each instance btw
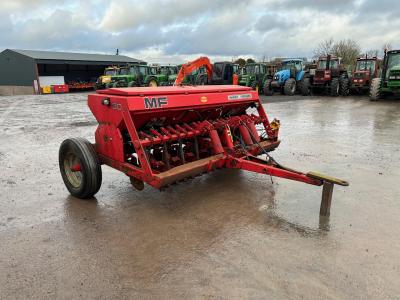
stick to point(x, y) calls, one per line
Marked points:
point(132, 84)
point(268, 91)
point(255, 86)
point(290, 87)
point(85, 182)
point(305, 87)
point(344, 86)
point(334, 87)
point(375, 89)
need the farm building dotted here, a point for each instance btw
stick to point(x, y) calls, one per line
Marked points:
point(21, 70)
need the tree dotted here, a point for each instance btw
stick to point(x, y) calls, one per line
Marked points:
point(347, 49)
point(250, 61)
point(240, 61)
point(387, 47)
point(372, 53)
point(324, 48)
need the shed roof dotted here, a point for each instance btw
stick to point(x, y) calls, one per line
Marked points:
point(71, 56)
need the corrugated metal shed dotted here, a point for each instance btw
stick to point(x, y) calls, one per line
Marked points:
point(20, 70)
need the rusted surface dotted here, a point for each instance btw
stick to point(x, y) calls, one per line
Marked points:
point(229, 234)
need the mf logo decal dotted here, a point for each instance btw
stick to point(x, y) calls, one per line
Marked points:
point(239, 97)
point(155, 102)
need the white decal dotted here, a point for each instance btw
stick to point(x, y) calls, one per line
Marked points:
point(239, 96)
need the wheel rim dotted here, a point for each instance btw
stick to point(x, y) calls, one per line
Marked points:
point(153, 83)
point(72, 170)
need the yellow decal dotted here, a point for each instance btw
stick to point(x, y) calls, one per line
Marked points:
point(203, 99)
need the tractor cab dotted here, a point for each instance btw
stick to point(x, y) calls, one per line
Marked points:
point(389, 82)
point(254, 74)
point(105, 79)
point(366, 69)
point(331, 76)
point(111, 71)
point(170, 72)
point(290, 68)
point(392, 70)
point(130, 75)
point(222, 72)
point(328, 67)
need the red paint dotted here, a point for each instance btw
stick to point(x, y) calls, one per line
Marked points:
point(197, 136)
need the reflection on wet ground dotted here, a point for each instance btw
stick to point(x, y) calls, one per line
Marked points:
point(229, 234)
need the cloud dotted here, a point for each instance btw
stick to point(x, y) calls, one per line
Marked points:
point(159, 30)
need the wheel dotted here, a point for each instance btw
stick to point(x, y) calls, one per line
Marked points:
point(344, 86)
point(304, 86)
point(132, 84)
point(267, 88)
point(153, 83)
point(334, 88)
point(375, 89)
point(255, 86)
point(80, 167)
point(289, 87)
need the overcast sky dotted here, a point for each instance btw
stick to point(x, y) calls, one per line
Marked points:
point(179, 30)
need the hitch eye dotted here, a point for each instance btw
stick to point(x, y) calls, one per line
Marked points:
point(106, 101)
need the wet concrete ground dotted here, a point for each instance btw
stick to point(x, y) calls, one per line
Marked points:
point(228, 235)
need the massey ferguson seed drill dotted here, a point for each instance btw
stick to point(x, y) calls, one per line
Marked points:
point(165, 135)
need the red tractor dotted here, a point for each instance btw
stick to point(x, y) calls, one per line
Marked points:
point(330, 76)
point(367, 68)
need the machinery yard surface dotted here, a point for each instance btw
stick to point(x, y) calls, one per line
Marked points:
point(226, 235)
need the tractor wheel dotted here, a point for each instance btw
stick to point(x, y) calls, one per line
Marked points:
point(334, 88)
point(268, 91)
point(80, 167)
point(304, 86)
point(375, 89)
point(153, 83)
point(344, 86)
point(290, 87)
point(255, 86)
point(132, 84)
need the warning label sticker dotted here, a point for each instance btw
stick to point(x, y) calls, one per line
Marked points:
point(239, 97)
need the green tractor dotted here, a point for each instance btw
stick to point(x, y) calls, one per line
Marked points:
point(105, 79)
point(167, 75)
point(254, 75)
point(389, 81)
point(128, 76)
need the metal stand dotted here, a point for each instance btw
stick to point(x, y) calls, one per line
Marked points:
point(326, 200)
